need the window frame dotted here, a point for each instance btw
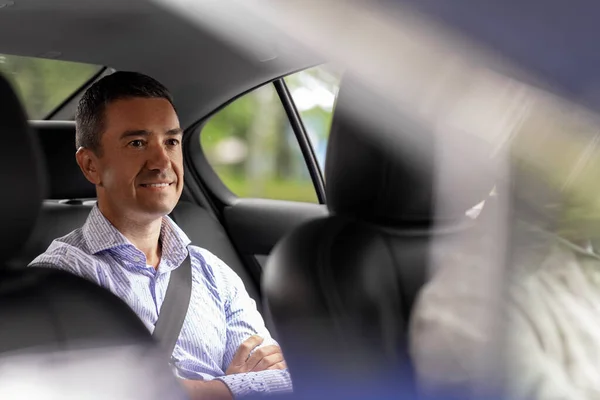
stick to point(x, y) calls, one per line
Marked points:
point(306, 146)
point(214, 193)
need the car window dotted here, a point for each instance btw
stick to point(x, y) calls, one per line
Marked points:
point(44, 84)
point(253, 149)
point(314, 91)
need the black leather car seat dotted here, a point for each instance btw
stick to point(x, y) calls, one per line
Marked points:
point(341, 289)
point(46, 311)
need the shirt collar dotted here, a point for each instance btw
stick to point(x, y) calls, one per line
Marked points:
point(101, 235)
point(174, 243)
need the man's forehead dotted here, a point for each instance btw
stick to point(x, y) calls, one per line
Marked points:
point(139, 102)
point(152, 115)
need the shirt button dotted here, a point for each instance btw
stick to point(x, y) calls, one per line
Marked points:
point(137, 259)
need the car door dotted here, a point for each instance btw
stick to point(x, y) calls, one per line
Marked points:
point(257, 161)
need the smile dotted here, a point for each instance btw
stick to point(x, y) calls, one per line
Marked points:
point(156, 185)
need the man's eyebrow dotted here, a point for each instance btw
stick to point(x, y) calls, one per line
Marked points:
point(142, 132)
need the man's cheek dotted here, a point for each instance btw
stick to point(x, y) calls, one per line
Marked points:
point(109, 178)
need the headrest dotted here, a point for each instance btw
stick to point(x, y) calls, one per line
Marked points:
point(58, 144)
point(385, 168)
point(22, 176)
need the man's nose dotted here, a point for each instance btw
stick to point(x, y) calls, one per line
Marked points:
point(158, 157)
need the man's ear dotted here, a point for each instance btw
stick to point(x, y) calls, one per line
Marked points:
point(88, 162)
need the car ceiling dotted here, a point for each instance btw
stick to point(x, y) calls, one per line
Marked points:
point(203, 71)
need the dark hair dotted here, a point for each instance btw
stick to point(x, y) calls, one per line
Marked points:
point(89, 119)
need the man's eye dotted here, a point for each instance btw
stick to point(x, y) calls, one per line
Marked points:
point(136, 143)
point(172, 142)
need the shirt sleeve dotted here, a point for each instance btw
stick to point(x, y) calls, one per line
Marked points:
point(452, 328)
point(541, 324)
point(243, 321)
point(552, 331)
point(539, 375)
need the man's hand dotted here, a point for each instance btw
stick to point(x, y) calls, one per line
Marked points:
point(268, 357)
point(207, 390)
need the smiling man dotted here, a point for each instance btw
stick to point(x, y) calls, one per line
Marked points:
point(129, 145)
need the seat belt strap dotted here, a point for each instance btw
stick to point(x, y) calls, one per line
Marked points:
point(174, 307)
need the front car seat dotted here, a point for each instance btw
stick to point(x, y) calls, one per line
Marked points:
point(341, 289)
point(54, 324)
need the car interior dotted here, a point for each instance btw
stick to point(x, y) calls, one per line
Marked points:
point(319, 299)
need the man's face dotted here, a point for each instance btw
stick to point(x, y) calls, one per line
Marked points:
point(139, 173)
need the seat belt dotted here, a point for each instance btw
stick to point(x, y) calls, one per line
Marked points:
point(174, 307)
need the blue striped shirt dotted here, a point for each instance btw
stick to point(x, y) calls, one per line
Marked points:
point(221, 314)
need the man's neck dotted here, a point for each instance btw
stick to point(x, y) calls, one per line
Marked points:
point(143, 235)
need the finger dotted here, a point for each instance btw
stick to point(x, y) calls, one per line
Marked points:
point(268, 361)
point(242, 353)
point(279, 365)
point(261, 353)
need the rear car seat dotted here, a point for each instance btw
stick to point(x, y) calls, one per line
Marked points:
point(71, 197)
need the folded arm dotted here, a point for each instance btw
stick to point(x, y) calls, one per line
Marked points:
point(252, 368)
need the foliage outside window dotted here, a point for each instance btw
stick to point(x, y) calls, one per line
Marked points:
point(252, 148)
point(314, 92)
point(43, 84)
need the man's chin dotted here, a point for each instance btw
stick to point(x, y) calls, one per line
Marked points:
point(158, 210)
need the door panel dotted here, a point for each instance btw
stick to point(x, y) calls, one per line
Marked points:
point(256, 225)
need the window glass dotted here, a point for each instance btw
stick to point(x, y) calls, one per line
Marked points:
point(43, 84)
point(252, 148)
point(314, 91)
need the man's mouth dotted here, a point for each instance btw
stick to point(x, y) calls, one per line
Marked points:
point(156, 185)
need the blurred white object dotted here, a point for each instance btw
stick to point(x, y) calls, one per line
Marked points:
point(554, 330)
point(475, 211)
point(117, 373)
point(551, 320)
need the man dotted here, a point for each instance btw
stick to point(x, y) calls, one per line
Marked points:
point(129, 145)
